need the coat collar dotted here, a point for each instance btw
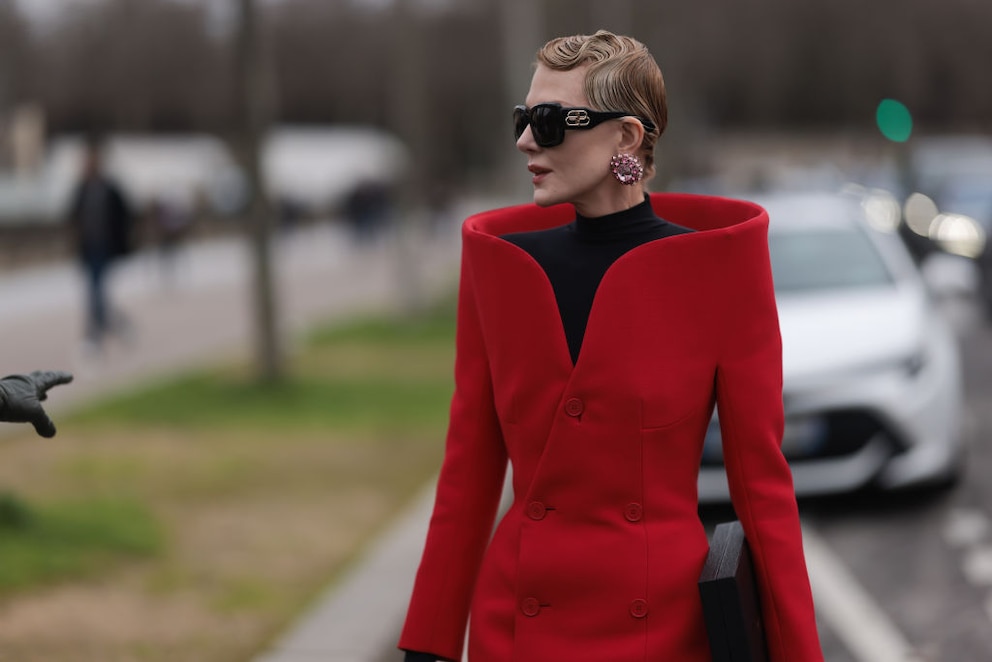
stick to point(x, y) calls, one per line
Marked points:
point(501, 270)
point(702, 213)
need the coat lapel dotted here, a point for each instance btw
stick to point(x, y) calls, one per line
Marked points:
point(520, 299)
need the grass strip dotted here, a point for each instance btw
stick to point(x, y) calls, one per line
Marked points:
point(40, 544)
point(241, 501)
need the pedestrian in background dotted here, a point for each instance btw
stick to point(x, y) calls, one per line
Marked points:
point(594, 339)
point(101, 227)
point(367, 209)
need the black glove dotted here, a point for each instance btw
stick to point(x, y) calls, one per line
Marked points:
point(414, 656)
point(21, 397)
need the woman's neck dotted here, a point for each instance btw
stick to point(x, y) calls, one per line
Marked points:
point(615, 199)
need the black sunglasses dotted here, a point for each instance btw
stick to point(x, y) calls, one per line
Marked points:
point(549, 121)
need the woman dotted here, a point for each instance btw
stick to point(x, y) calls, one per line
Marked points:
point(594, 340)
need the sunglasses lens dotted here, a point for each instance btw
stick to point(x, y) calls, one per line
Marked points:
point(547, 126)
point(520, 121)
point(545, 121)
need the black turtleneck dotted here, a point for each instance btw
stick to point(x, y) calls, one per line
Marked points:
point(577, 255)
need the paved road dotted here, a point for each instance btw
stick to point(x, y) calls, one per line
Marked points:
point(927, 560)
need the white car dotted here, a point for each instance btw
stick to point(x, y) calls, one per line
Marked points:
point(872, 378)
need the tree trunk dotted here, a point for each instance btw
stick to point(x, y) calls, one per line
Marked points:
point(411, 122)
point(254, 107)
point(523, 25)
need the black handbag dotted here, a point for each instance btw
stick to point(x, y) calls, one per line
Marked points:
point(731, 607)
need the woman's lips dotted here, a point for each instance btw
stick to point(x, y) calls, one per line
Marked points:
point(539, 173)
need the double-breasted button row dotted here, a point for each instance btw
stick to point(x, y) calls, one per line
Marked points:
point(632, 512)
point(574, 407)
point(531, 606)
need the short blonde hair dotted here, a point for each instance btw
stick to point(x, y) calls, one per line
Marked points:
point(622, 76)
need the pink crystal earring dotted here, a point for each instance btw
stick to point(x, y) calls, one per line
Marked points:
point(626, 168)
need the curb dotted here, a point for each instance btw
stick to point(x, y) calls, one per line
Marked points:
point(359, 617)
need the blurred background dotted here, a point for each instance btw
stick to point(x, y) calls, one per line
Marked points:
point(266, 393)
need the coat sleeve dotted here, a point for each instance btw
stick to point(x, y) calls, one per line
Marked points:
point(749, 401)
point(468, 493)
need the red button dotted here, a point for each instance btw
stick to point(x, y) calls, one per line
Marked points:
point(530, 607)
point(574, 407)
point(639, 608)
point(633, 512)
point(536, 510)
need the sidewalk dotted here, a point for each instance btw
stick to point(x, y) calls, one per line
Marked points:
point(204, 316)
point(358, 619)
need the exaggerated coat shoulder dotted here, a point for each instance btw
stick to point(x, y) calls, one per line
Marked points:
point(597, 558)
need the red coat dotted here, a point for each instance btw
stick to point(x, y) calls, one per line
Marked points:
point(597, 559)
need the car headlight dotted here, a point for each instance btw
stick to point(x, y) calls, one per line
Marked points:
point(958, 234)
point(909, 365)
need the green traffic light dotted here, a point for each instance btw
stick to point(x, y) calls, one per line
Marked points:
point(894, 120)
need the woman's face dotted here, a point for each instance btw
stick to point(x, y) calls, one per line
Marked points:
point(578, 170)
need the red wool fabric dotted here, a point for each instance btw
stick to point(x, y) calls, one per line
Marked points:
point(598, 557)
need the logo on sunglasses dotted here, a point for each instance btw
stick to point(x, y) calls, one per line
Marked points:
point(577, 117)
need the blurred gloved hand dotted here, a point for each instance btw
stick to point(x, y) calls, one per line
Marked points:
point(21, 397)
point(413, 656)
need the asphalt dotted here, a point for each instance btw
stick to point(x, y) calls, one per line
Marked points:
point(201, 312)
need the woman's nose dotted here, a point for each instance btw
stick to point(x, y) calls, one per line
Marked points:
point(525, 143)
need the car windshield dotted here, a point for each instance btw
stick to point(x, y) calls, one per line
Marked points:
point(825, 259)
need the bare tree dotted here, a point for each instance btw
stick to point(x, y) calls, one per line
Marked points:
point(254, 101)
point(14, 46)
point(523, 30)
point(764, 63)
point(116, 65)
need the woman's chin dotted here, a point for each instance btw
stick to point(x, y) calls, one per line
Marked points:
point(543, 198)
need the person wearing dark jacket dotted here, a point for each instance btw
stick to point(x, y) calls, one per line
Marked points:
point(21, 397)
point(100, 224)
point(597, 330)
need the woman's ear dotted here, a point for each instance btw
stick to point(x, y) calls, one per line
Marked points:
point(631, 135)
